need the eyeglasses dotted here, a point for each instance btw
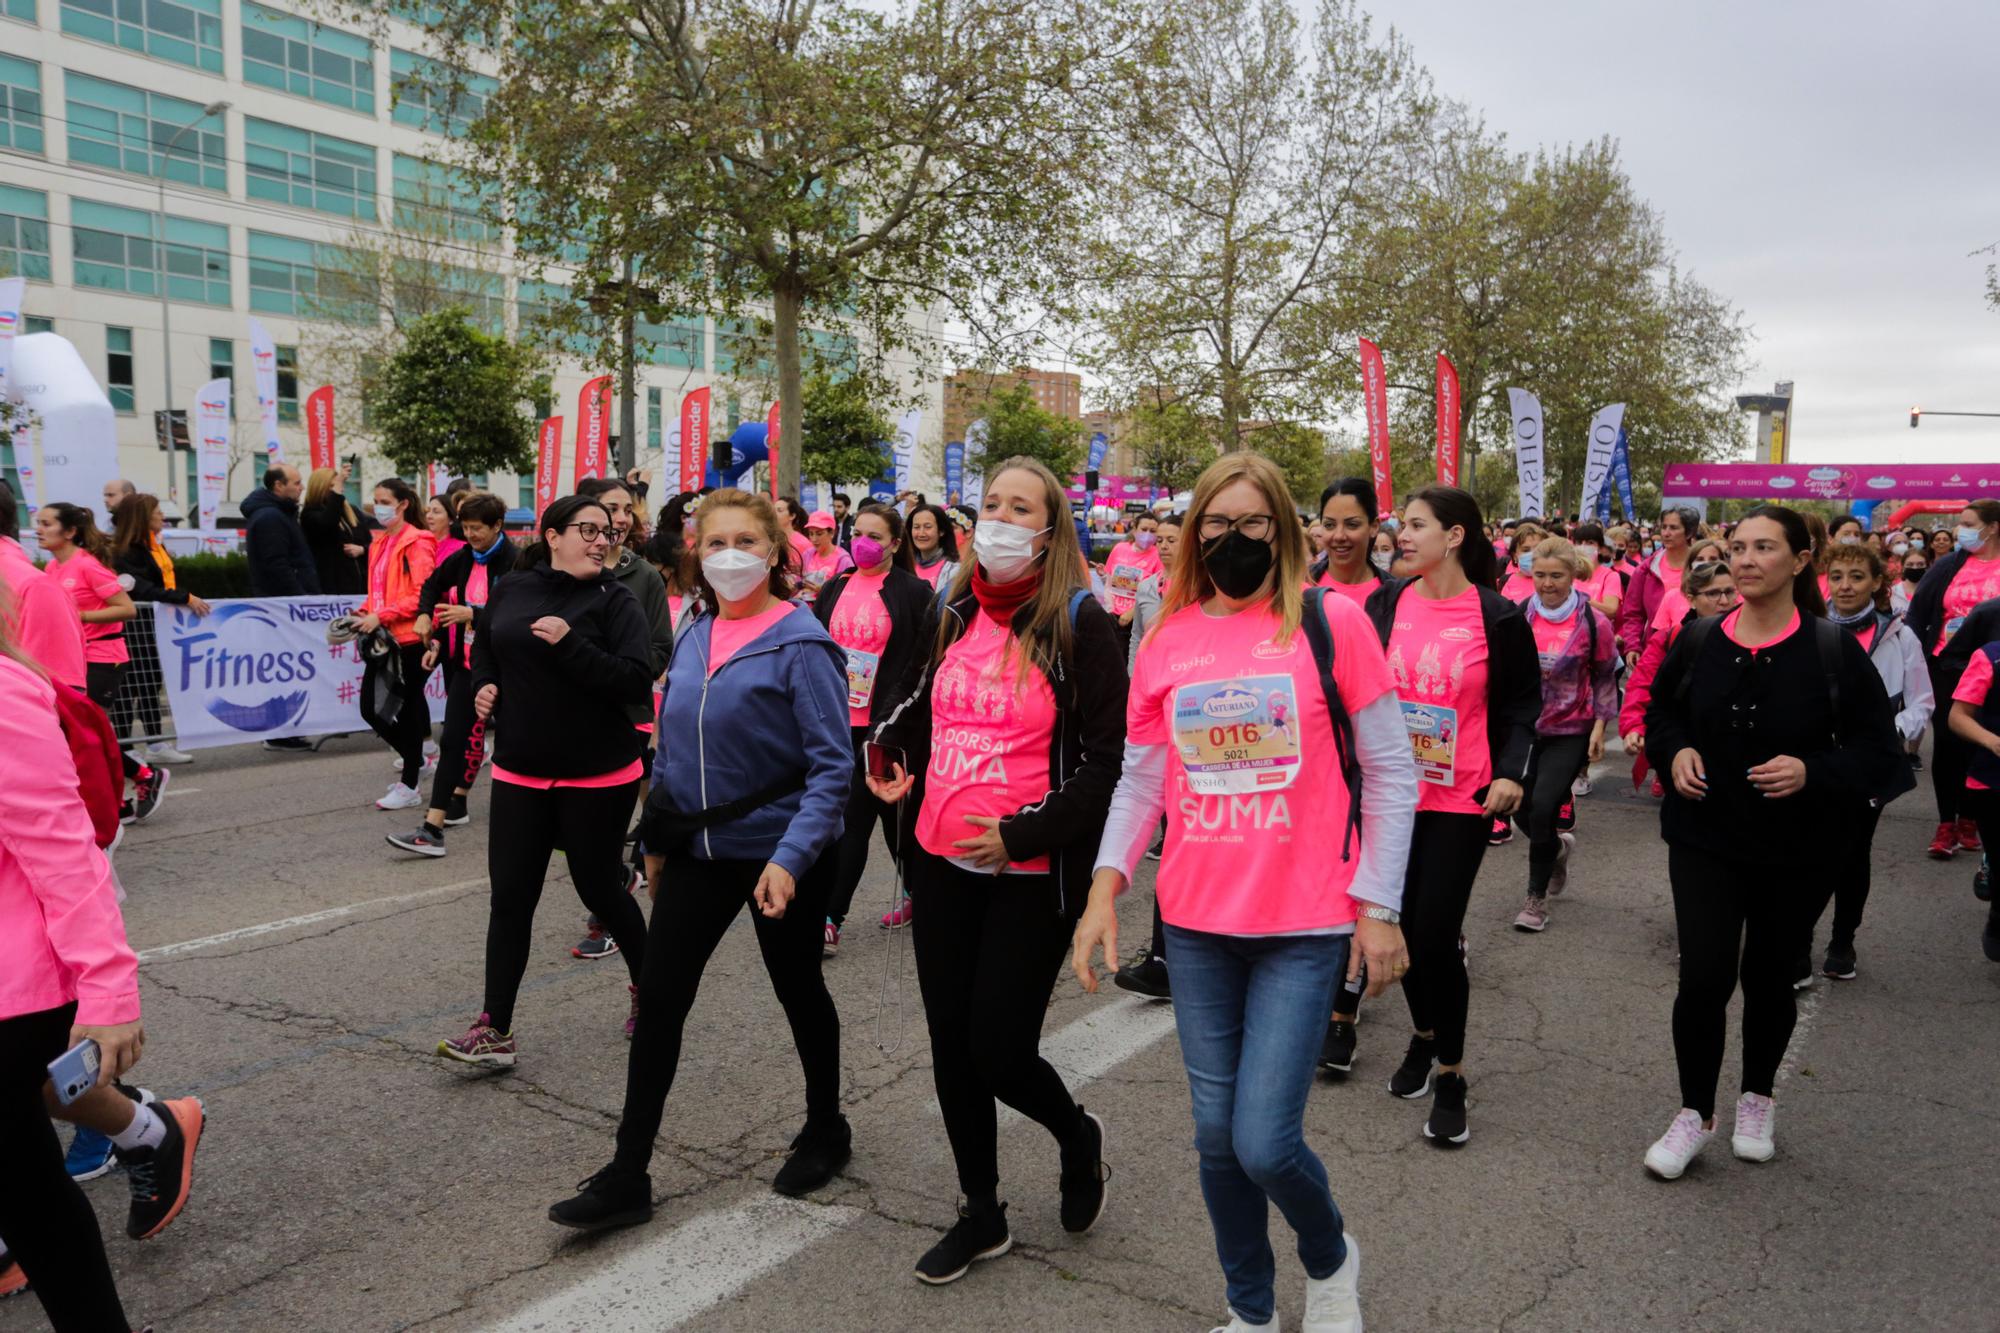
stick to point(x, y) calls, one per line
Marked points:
point(1257, 527)
point(590, 532)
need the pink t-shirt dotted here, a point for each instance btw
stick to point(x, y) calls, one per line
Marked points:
point(990, 734)
point(1357, 593)
point(1125, 570)
point(1551, 635)
point(1975, 582)
point(1729, 628)
point(729, 637)
point(1254, 793)
point(819, 568)
point(1437, 658)
point(43, 618)
point(1602, 585)
point(933, 572)
point(1672, 610)
point(91, 586)
point(1519, 587)
point(861, 627)
point(1973, 687)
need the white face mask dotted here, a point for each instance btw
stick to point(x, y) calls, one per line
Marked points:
point(1588, 553)
point(1382, 560)
point(1899, 548)
point(385, 514)
point(735, 574)
point(1005, 550)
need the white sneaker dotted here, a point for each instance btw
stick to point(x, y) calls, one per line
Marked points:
point(1677, 1147)
point(1581, 787)
point(167, 754)
point(1755, 1136)
point(399, 797)
point(1333, 1304)
point(1238, 1324)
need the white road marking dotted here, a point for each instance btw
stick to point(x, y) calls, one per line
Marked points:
point(681, 1272)
point(1808, 1011)
point(309, 919)
point(1086, 1049)
point(179, 791)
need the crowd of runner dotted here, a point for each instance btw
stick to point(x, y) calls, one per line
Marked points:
point(1315, 723)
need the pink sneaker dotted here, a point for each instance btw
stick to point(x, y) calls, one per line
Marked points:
point(482, 1044)
point(829, 941)
point(632, 1019)
point(1685, 1137)
point(898, 916)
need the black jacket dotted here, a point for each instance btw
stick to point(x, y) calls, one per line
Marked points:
point(327, 530)
point(1926, 614)
point(912, 607)
point(1086, 752)
point(447, 584)
point(281, 565)
point(564, 709)
point(1981, 627)
point(1513, 676)
point(136, 563)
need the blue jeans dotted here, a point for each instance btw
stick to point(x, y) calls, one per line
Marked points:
point(1250, 1013)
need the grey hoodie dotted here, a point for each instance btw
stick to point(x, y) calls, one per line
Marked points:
point(651, 590)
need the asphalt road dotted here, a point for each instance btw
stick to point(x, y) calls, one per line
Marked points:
point(297, 975)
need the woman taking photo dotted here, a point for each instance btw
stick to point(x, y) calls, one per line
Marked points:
point(1658, 571)
point(1578, 653)
point(559, 661)
point(1764, 760)
point(1348, 516)
point(1958, 581)
point(143, 564)
point(403, 556)
point(1463, 659)
point(334, 533)
point(883, 617)
point(1010, 733)
point(1231, 734)
point(933, 546)
point(745, 809)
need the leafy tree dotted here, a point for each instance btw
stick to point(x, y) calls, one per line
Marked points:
point(846, 434)
point(1171, 442)
point(456, 395)
point(1017, 425)
point(1300, 453)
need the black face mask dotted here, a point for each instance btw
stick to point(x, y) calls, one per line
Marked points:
point(1237, 564)
point(1913, 575)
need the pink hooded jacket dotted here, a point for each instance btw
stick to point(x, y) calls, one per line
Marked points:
point(62, 937)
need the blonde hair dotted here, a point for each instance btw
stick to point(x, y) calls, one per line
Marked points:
point(765, 514)
point(1047, 634)
point(320, 485)
point(1190, 582)
point(1559, 548)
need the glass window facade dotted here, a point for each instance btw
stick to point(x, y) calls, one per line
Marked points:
point(297, 55)
point(653, 413)
point(288, 383)
point(308, 170)
point(222, 365)
point(114, 249)
point(432, 96)
point(19, 9)
point(24, 233)
point(128, 129)
point(439, 200)
point(188, 32)
point(118, 368)
point(20, 105)
point(289, 276)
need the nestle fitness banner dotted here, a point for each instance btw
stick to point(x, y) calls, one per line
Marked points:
point(260, 668)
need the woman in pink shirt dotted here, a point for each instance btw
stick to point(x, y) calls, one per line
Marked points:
point(1269, 898)
point(1347, 513)
point(933, 545)
point(1602, 585)
point(1013, 723)
point(825, 559)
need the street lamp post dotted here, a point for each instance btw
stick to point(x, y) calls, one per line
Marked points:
point(166, 306)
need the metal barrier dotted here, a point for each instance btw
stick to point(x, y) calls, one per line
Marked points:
point(141, 714)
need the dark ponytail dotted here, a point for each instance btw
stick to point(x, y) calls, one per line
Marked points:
point(1455, 508)
point(84, 530)
point(406, 499)
point(559, 515)
point(1798, 538)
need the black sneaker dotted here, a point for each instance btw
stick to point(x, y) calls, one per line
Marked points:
point(1336, 1049)
point(147, 789)
point(125, 812)
point(1501, 833)
point(1083, 1175)
point(290, 744)
point(1989, 939)
point(426, 841)
point(455, 813)
point(818, 1153)
point(974, 1237)
point(1566, 816)
point(1802, 972)
point(1144, 976)
point(1412, 1079)
point(1839, 962)
point(614, 1197)
point(594, 947)
point(162, 1177)
point(1916, 762)
point(1447, 1127)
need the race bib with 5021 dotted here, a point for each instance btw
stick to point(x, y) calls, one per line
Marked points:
point(1238, 736)
point(1433, 740)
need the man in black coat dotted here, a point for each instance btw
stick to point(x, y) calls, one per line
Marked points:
point(281, 564)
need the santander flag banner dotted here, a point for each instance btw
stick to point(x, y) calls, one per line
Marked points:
point(593, 419)
point(211, 449)
point(903, 454)
point(1447, 421)
point(319, 426)
point(694, 439)
point(1604, 428)
point(264, 362)
point(1375, 405)
point(771, 447)
point(1834, 481)
point(12, 292)
point(1528, 469)
point(548, 463)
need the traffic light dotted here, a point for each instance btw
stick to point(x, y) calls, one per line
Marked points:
point(1915, 412)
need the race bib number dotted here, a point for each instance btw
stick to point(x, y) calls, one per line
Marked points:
point(1951, 627)
point(1124, 587)
point(1237, 737)
point(861, 668)
point(1433, 732)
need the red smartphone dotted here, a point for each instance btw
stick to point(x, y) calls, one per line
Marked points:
point(884, 759)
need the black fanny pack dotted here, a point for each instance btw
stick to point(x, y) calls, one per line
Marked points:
point(665, 831)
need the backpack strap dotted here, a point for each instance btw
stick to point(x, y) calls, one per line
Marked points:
point(1076, 601)
point(1696, 636)
point(1827, 636)
point(1319, 635)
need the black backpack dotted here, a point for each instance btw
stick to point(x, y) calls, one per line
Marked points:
point(1319, 635)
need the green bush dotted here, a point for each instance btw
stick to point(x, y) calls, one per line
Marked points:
point(213, 576)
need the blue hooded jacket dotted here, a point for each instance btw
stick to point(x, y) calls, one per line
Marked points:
point(778, 706)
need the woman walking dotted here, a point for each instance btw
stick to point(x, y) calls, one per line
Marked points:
point(1649, 581)
point(138, 557)
point(335, 534)
point(1348, 515)
point(1261, 925)
point(403, 556)
point(933, 546)
point(1775, 728)
point(1967, 574)
point(1009, 740)
point(560, 659)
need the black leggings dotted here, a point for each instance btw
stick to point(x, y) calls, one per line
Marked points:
point(1983, 809)
point(528, 824)
point(1949, 752)
point(1558, 759)
point(1726, 909)
point(1445, 851)
point(1845, 883)
point(47, 1223)
point(101, 683)
point(698, 901)
point(137, 710)
point(989, 949)
point(462, 746)
point(863, 813)
point(412, 727)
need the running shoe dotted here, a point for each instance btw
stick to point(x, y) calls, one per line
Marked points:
point(632, 1019)
point(1802, 970)
point(399, 797)
point(90, 1154)
point(1839, 962)
point(1968, 835)
point(1144, 975)
point(430, 756)
point(1658, 790)
point(973, 1238)
point(1566, 816)
point(1501, 833)
point(896, 918)
point(482, 1044)
point(426, 841)
point(1083, 1175)
point(12, 1280)
point(288, 744)
point(596, 946)
point(147, 789)
point(614, 1197)
point(1533, 916)
point(1670, 1155)
point(1754, 1138)
point(1916, 762)
point(1412, 1079)
point(1559, 877)
point(1581, 787)
point(162, 1176)
point(1333, 1303)
point(1982, 880)
point(455, 813)
point(829, 946)
point(1944, 843)
point(818, 1152)
point(1446, 1126)
point(168, 754)
point(125, 812)
point(1336, 1049)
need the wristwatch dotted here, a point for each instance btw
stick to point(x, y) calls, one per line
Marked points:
point(1387, 915)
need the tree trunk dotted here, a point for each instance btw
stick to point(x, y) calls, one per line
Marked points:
point(786, 301)
point(628, 400)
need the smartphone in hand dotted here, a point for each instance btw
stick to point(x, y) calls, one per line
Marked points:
point(74, 1072)
point(883, 761)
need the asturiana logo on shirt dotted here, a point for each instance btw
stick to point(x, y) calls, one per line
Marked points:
point(1455, 633)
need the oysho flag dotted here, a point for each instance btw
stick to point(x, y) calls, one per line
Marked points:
point(593, 418)
point(13, 291)
point(1375, 406)
point(1604, 428)
point(211, 449)
point(771, 446)
point(548, 463)
point(1529, 471)
point(319, 427)
point(1447, 421)
point(904, 454)
point(694, 440)
point(264, 364)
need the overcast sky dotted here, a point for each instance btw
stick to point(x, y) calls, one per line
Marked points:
point(1826, 166)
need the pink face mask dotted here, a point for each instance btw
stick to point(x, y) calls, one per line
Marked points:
point(867, 551)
